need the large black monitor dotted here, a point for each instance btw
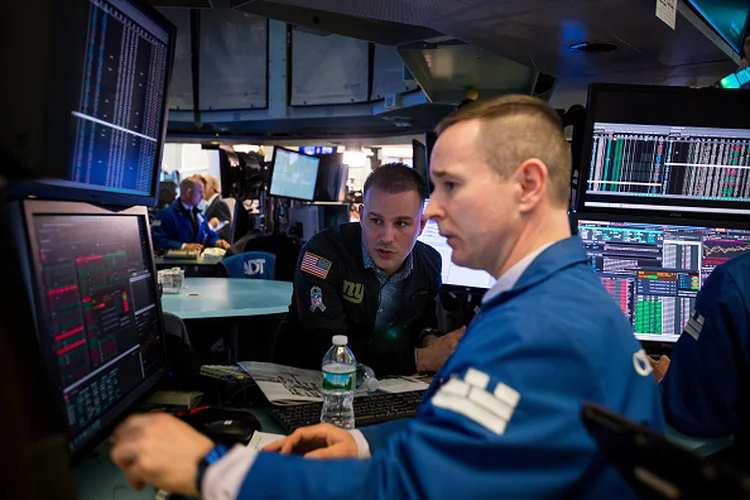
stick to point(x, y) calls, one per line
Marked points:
point(453, 275)
point(330, 185)
point(678, 151)
point(105, 114)
point(654, 268)
point(293, 174)
point(419, 163)
point(92, 284)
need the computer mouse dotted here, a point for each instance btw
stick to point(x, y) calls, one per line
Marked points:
point(228, 432)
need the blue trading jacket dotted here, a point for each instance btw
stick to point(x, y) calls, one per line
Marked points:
point(705, 390)
point(501, 418)
point(172, 227)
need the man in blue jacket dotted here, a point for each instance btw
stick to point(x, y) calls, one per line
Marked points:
point(705, 389)
point(501, 418)
point(181, 224)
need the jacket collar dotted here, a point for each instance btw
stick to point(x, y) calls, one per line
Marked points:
point(177, 204)
point(565, 253)
point(211, 200)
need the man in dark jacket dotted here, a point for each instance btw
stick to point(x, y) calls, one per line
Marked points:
point(373, 282)
point(217, 210)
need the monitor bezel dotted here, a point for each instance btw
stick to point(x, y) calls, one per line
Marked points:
point(640, 218)
point(63, 189)
point(272, 169)
point(34, 279)
point(657, 206)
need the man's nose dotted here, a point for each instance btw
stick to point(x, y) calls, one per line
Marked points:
point(433, 210)
point(388, 233)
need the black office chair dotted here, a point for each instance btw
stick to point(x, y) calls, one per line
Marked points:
point(656, 468)
point(182, 358)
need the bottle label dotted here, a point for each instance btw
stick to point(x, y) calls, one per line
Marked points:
point(339, 381)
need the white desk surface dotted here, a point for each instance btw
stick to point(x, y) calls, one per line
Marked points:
point(228, 298)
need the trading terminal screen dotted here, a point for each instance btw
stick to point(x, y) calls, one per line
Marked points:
point(676, 163)
point(99, 326)
point(294, 175)
point(451, 273)
point(655, 271)
point(666, 150)
point(120, 112)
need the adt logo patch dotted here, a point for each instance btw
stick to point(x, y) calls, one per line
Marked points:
point(253, 267)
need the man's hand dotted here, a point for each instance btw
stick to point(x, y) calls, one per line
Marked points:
point(213, 222)
point(317, 441)
point(160, 450)
point(193, 246)
point(223, 244)
point(437, 350)
point(660, 367)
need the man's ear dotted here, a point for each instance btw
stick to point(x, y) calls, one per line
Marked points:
point(422, 224)
point(533, 180)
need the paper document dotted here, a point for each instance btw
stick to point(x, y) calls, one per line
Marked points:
point(666, 10)
point(401, 384)
point(262, 439)
point(285, 385)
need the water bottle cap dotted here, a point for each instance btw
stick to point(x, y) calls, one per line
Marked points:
point(340, 340)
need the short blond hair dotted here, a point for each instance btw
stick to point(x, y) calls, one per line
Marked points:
point(212, 181)
point(536, 132)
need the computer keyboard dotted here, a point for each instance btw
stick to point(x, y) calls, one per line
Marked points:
point(367, 410)
point(182, 254)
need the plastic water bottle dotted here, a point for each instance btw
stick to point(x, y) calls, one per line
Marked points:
point(339, 381)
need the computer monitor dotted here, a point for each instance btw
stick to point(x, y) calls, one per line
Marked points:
point(666, 149)
point(92, 284)
point(655, 268)
point(452, 274)
point(419, 163)
point(331, 175)
point(293, 174)
point(107, 106)
point(727, 17)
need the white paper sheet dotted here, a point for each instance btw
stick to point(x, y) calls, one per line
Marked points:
point(666, 10)
point(285, 385)
point(262, 439)
point(401, 384)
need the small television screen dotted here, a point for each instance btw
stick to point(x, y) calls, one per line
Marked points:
point(294, 174)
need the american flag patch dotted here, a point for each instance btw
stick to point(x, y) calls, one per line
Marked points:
point(315, 265)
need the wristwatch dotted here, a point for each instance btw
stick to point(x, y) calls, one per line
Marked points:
point(211, 457)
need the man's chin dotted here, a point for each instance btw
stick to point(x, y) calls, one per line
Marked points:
point(463, 261)
point(389, 265)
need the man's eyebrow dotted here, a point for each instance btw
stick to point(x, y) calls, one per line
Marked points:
point(398, 218)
